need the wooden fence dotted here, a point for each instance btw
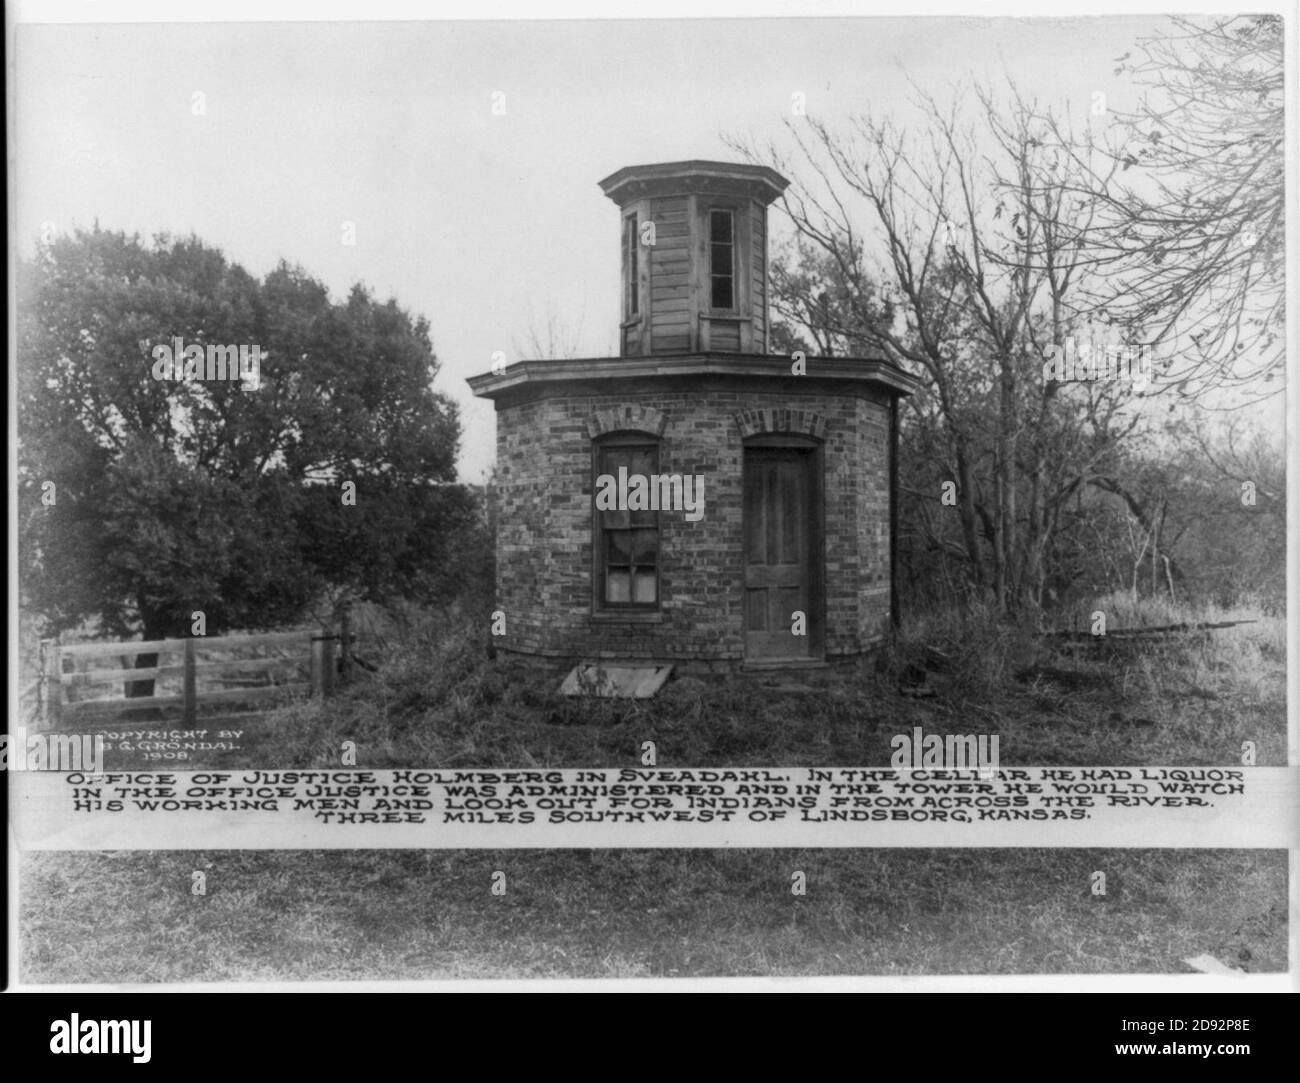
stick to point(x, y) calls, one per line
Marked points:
point(1158, 630)
point(67, 669)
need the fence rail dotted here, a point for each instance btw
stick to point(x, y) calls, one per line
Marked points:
point(61, 681)
point(1161, 631)
point(172, 646)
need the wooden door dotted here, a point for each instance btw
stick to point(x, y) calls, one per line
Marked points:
point(779, 522)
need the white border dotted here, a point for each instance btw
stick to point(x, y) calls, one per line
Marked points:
point(119, 11)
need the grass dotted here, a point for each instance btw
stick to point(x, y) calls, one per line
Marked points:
point(353, 915)
point(440, 702)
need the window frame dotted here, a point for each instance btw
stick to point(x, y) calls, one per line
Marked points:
point(631, 267)
point(601, 607)
point(733, 244)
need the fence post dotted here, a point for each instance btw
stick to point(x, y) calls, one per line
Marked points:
point(322, 663)
point(190, 685)
point(345, 645)
point(327, 670)
point(316, 664)
point(51, 683)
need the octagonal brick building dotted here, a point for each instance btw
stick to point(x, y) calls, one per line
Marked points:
point(785, 555)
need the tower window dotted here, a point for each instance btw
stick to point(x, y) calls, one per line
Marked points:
point(722, 263)
point(630, 267)
point(627, 541)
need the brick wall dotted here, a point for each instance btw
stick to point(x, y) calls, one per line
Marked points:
point(543, 492)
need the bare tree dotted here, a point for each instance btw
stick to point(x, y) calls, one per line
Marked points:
point(950, 247)
point(1193, 204)
point(550, 336)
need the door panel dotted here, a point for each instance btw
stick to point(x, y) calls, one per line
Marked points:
point(778, 516)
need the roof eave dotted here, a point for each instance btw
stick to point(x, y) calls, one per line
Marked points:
point(765, 181)
point(871, 371)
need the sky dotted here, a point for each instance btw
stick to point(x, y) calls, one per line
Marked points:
point(481, 223)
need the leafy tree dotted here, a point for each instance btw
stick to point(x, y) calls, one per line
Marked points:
point(171, 497)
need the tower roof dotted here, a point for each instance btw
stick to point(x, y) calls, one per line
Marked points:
point(696, 175)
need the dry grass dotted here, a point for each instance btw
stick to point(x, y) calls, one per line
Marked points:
point(442, 703)
point(1190, 701)
point(343, 915)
